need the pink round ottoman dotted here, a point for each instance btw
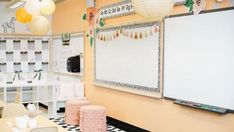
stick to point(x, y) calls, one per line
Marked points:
point(72, 111)
point(93, 119)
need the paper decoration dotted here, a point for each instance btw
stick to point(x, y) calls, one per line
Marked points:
point(133, 34)
point(198, 6)
point(91, 14)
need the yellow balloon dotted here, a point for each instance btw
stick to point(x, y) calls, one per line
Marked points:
point(22, 16)
point(39, 25)
point(47, 7)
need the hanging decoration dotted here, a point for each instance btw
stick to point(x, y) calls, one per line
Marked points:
point(153, 9)
point(135, 34)
point(219, 1)
point(33, 7)
point(39, 25)
point(34, 12)
point(47, 7)
point(198, 6)
point(22, 16)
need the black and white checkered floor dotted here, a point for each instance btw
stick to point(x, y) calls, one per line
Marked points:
point(60, 121)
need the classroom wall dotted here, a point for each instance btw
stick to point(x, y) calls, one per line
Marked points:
point(156, 115)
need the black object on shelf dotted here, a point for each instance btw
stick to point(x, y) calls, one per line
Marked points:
point(2, 41)
point(202, 106)
point(31, 41)
point(44, 41)
point(73, 64)
point(16, 41)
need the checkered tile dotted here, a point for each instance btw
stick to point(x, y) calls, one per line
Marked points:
point(60, 121)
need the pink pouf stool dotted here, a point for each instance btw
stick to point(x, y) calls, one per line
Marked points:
point(93, 119)
point(72, 111)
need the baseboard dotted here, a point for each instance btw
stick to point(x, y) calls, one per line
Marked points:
point(124, 126)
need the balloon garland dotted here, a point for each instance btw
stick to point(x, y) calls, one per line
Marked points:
point(34, 13)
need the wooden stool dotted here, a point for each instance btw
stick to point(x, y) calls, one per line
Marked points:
point(93, 119)
point(72, 111)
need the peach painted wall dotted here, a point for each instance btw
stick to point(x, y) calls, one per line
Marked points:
point(156, 115)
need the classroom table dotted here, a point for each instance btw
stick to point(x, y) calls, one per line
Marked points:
point(8, 124)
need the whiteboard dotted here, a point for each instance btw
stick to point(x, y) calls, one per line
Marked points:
point(198, 58)
point(62, 52)
point(127, 60)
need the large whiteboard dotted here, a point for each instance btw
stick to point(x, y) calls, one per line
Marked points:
point(199, 58)
point(128, 60)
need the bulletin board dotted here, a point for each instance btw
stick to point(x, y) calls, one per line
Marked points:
point(60, 52)
point(127, 58)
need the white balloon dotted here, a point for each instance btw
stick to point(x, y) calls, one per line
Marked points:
point(39, 25)
point(153, 9)
point(33, 7)
point(47, 7)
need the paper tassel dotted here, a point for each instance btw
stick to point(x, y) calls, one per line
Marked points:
point(198, 6)
point(151, 32)
point(114, 36)
point(141, 36)
point(131, 34)
point(156, 29)
point(101, 37)
point(136, 35)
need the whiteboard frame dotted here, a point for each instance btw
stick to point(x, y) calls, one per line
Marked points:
point(139, 90)
point(181, 15)
point(73, 35)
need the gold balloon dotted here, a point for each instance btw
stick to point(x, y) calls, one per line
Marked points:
point(39, 25)
point(23, 16)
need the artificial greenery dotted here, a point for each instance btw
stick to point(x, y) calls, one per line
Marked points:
point(84, 17)
point(189, 4)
